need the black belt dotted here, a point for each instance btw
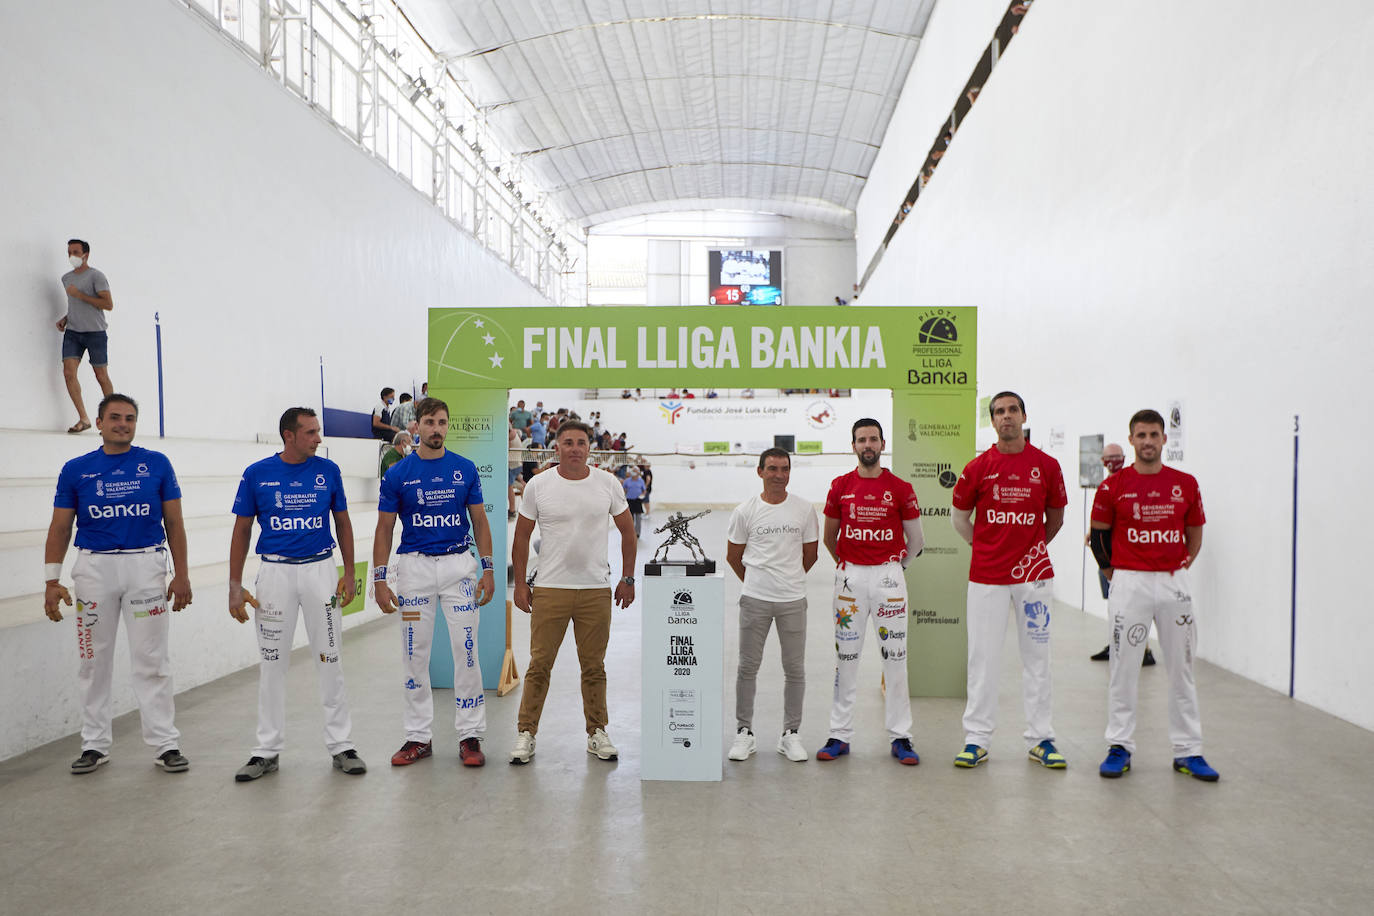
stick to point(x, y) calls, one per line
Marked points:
point(297, 561)
point(463, 548)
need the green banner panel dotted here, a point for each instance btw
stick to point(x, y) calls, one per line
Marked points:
point(720, 346)
point(715, 448)
point(809, 447)
point(360, 581)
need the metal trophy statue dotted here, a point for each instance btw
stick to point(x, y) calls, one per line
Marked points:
point(676, 526)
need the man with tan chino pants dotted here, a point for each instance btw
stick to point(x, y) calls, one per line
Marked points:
point(571, 502)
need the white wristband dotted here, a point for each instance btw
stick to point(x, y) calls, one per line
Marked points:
point(52, 572)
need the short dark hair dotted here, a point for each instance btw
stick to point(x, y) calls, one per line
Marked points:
point(387, 391)
point(405, 396)
point(865, 421)
point(115, 398)
point(573, 426)
point(428, 406)
point(292, 419)
point(85, 246)
point(774, 452)
point(1006, 394)
point(1146, 416)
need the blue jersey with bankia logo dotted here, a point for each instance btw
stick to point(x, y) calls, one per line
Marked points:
point(431, 497)
point(118, 498)
point(292, 503)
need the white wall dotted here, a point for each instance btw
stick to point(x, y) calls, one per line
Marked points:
point(1172, 201)
point(263, 237)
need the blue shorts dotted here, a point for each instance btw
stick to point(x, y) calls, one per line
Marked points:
point(514, 473)
point(77, 343)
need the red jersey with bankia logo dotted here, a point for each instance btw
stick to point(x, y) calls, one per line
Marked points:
point(1008, 495)
point(871, 511)
point(1148, 513)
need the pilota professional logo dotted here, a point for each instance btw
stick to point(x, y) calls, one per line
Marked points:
point(935, 351)
point(682, 598)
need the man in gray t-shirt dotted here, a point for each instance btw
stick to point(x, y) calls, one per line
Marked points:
point(83, 327)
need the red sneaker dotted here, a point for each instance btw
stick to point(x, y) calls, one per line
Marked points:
point(470, 752)
point(410, 752)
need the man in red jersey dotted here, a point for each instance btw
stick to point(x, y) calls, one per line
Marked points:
point(1009, 504)
point(872, 528)
point(1146, 532)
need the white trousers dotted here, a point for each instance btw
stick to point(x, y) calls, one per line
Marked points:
point(1030, 603)
point(1136, 599)
point(422, 584)
point(877, 593)
point(132, 586)
point(284, 591)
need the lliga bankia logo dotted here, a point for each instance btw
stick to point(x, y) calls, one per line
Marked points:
point(936, 348)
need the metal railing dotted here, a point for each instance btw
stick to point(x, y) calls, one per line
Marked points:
point(361, 65)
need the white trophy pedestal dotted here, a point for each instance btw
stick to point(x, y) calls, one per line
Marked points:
point(683, 677)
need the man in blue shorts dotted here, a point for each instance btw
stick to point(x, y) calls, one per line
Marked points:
point(126, 504)
point(438, 496)
point(292, 494)
point(84, 328)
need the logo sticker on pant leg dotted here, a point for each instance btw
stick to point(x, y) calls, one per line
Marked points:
point(1137, 633)
point(467, 644)
point(1037, 615)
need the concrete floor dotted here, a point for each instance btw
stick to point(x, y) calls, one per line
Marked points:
point(1289, 829)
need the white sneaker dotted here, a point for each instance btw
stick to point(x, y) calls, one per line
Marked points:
point(790, 746)
point(744, 746)
point(601, 746)
point(524, 748)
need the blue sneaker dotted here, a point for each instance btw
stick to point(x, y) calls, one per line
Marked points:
point(904, 752)
point(833, 748)
point(1118, 761)
point(1196, 767)
point(1048, 756)
point(970, 756)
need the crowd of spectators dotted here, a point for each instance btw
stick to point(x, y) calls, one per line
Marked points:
point(533, 444)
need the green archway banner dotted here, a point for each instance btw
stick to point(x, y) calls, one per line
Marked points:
point(926, 356)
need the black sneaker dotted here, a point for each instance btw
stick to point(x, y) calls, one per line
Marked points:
point(1105, 654)
point(1149, 658)
point(88, 761)
point(255, 768)
point(173, 761)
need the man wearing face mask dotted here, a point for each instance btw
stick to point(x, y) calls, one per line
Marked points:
point(1113, 458)
point(83, 327)
point(382, 427)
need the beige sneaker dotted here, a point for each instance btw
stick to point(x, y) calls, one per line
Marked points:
point(524, 748)
point(601, 746)
point(790, 746)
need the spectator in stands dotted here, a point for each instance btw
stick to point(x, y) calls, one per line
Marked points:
point(625, 394)
point(687, 394)
point(404, 415)
point(538, 430)
point(513, 445)
point(746, 392)
point(634, 495)
point(519, 415)
point(83, 328)
point(648, 475)
point(673, 395)
point(382, 427)
point(424, 390)
point(711, 394)
point(638, 394)
point(400, 447)
point(619, 444)
point(551, 428)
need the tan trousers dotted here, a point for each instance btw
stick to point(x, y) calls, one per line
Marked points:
point(589, 609)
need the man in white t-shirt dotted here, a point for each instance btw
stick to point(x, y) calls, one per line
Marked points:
point(571, 503)
point(771, 544)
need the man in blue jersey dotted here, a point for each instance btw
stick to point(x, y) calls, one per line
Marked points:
point(292, 494)
point(438, 496)
point(126, 504)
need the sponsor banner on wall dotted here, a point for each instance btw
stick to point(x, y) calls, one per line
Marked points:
point(934, 439)
point(728, 347)
point(477, 431)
